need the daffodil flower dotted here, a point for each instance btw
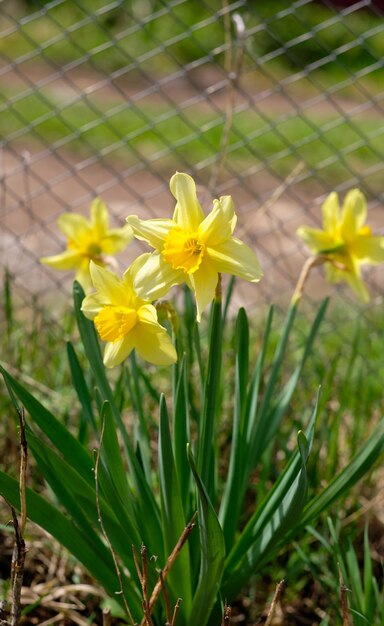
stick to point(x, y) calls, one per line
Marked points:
point(125, 321)
point(88, 240)
point(346, 242)
point(192, 248)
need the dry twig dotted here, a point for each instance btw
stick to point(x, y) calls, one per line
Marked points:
point(165, 571)
point(226, 621)
point(344, 600)
point(143, 577)
point(19, 549)
point(275, 599)
point(175, 612)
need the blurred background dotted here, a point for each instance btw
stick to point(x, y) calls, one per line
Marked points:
point(275, 103)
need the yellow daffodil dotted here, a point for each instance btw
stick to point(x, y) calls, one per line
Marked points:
point(346, 242)
point(192, 248)
point(88, 240)
point(124, 320)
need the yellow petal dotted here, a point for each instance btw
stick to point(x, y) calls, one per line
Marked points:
point(357, 285)
point(117, 239)
point(331, 212)
point(368, 249)
point(68, 260)
point(318, 241)
point(219, 225)
point(148, 315)
point(73, 225)
point(116, 352)
point(154, 344)
point(130, 273)
point(99, 217)
point(351, 276)
point(109, 286)
point(204, 282)
point(152, 231)
point(92, 304)
point(188, 212)
point(234, 257)
point(354, 214)
point(155, 278)
point(83, 275)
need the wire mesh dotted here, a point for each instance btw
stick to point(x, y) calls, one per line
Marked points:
point(275, 104)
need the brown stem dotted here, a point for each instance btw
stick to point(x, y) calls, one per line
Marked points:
point(166, 600)
point(17, 573)
point(343, 600)
point(175, 612)
point(226, 621)
point(171, 559)
point(275, 599)
point(313, 261)
point(19, 548)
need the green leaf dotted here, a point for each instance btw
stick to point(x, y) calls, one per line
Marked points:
point(212, 549)
point(173, 515)
point(281, 404)
point(81, 388)
point(273, 518)
point(92, 350)
point(147, 506)
point(342, 483)
point(232, 496)
point(181, 435)
point(140, 428)
point(58, 434)
point(79, 499)
point(41, 512)
point(113, 479)
point(205, 453)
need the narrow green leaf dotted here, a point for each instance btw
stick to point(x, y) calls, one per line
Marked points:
point(275, 510)
point(342, 483)
point(173, 515)
point(212, 549)
point(41, 512)
point(92, 350)
point(113, 478)
point(81, 388)
point(58, 434)
point(140, 426)
point(79, 499)
point(233, 497)
point(181, 435)
point(272, 534)
point(368, 576)
point(228, 297)
point(148, 507)
point(283, 399)
point(205, 452)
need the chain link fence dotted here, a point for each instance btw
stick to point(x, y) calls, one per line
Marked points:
point(275, 103)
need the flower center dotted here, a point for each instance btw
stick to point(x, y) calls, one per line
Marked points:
point(94, 250)
point(183, 250)
point(115, 322)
